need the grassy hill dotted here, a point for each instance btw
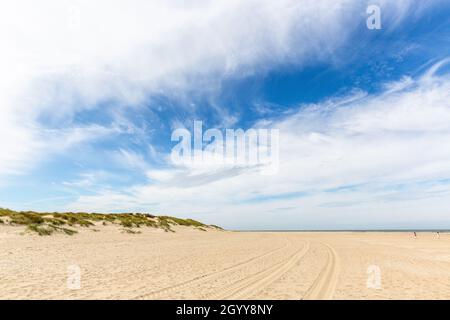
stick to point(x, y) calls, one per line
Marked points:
point(49, 223)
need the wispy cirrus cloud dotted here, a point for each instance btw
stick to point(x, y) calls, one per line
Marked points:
point(63, 58)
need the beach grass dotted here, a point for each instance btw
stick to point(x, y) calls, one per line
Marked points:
point(46, 223)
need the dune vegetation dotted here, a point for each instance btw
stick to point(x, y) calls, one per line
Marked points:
point(67, 223)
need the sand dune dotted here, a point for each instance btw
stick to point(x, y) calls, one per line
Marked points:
point(193, 264)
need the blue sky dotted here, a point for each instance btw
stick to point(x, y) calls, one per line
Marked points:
point(91, 93)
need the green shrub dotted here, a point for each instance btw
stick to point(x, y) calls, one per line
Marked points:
point(55, 221)
point(182, 222)
point(127, 223)
point(42, 231)
point(69, 232)
point(131, 231)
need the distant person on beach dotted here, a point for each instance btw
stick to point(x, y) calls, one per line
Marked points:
point(415, 234)
point(438, 235)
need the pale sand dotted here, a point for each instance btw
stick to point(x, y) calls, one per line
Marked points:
point(192, 264)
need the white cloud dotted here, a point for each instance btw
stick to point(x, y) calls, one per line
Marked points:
point(59, 58)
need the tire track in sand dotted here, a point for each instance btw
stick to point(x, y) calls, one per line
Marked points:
point(209, 276)
point(325, 284)
point(244, 288)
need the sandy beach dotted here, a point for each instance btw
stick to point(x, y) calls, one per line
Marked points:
point(194, 264)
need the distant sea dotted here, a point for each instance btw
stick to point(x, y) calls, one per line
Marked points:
point(350, 230)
